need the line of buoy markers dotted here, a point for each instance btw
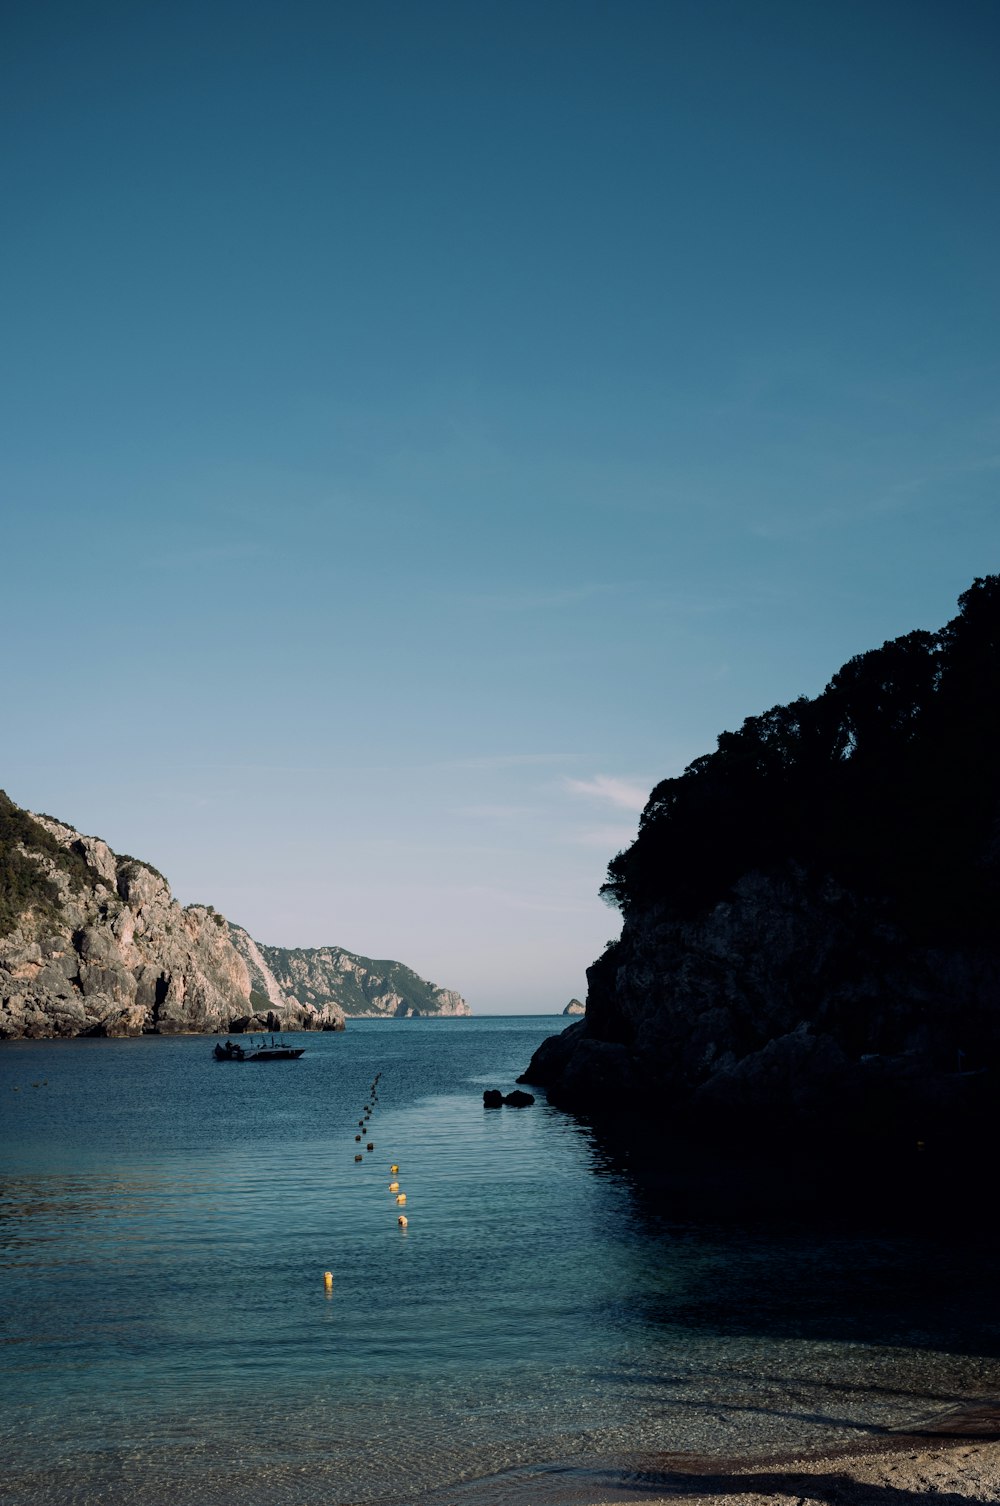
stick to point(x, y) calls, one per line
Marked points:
point(367, 1110)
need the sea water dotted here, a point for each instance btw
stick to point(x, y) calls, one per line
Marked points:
point(168, 1336)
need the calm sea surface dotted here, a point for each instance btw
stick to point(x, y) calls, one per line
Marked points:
point(166, 1222)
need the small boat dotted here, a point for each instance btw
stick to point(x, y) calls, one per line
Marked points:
point(277, 1051)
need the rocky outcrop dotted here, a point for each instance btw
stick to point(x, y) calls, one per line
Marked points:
point(94, 943)
point(810, 912)
point(494, 1099)
point(330, 978)
point(575, 1007)
point(105, 949)
point(792, 1001)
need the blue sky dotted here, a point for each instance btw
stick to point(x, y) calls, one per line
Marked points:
point(428, 425)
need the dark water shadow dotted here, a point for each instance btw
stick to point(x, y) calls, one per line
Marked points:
point(891, 1248)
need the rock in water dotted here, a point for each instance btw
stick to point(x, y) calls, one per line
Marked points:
point(575, 1007)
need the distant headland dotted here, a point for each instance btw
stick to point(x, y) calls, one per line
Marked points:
point(94, 943)
point(810, 933)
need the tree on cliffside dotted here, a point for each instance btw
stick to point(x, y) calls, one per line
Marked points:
point(886, 781)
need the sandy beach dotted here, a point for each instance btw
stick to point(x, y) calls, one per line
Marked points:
point(955, 1458)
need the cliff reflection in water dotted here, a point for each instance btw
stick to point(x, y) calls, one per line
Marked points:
point(777, 1242)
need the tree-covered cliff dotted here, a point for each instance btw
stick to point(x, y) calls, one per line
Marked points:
point(887, 781)
point(812, 910)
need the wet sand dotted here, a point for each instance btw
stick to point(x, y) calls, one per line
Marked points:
point(953, 1458)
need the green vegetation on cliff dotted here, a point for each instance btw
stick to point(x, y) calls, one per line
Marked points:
point(357, 985)
point(887, 781)
point(23, 884)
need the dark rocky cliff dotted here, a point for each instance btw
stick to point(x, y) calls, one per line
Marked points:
point(810, 932)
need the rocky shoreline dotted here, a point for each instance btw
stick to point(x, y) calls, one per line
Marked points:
point(809, 940)
point(93, 943)
point(791, 1005)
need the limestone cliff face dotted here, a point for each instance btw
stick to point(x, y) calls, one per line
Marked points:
point(114, 953)
point(94, 943)
point(325, 1015)
point(325, 978)
point(792, 1000)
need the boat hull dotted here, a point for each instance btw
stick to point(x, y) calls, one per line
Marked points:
point(231, 1052)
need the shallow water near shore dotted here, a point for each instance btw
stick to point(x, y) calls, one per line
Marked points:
point(166, 1222)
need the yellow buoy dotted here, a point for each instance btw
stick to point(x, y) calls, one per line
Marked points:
point(357, 1137)
point(393, 1186)
point(328, 1280)
point(403, 1220)
point(400, 1197)
point(370, 1145)
point(393, 1169)
point(359, 1158)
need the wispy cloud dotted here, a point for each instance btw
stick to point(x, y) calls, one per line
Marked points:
point(626, 794)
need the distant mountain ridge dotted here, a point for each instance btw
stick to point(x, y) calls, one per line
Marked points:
point(93, 943)
point(363, 987)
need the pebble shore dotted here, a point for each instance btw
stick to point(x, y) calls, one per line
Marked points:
point(947, 1462)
